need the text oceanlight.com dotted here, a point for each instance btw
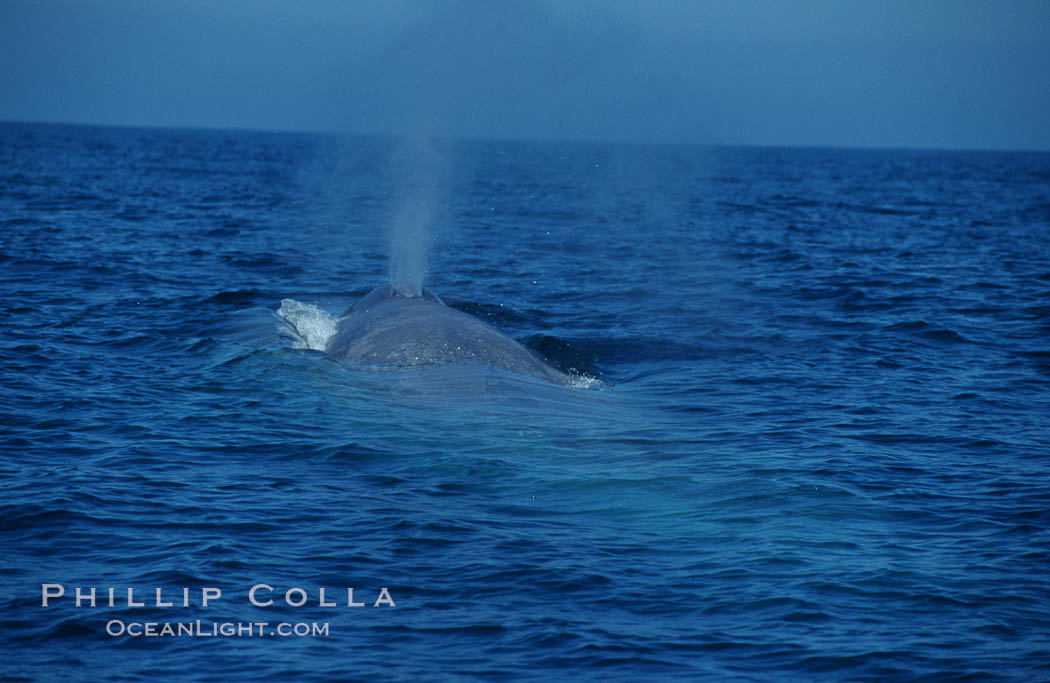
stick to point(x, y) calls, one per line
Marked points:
point(227, 629)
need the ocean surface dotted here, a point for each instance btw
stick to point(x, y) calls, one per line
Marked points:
point(810, 438)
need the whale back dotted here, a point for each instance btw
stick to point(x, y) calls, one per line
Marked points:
point(387, 328)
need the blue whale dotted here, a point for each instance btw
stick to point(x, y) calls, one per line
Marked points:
point(388, 328)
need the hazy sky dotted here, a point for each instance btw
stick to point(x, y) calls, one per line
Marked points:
point(888, 73)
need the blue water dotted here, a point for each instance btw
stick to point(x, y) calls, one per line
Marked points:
point(819, 450)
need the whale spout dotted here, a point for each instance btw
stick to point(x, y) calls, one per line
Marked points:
point(388, 328)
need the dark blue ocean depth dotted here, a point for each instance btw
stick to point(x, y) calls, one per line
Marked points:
point(819, 451)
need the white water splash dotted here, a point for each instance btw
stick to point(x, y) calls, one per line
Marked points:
point(585, 382)
point(309, 326)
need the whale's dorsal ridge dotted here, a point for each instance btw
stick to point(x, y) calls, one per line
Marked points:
point(385, 327)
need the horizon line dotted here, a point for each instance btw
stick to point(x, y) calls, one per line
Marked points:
point(524, 138)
